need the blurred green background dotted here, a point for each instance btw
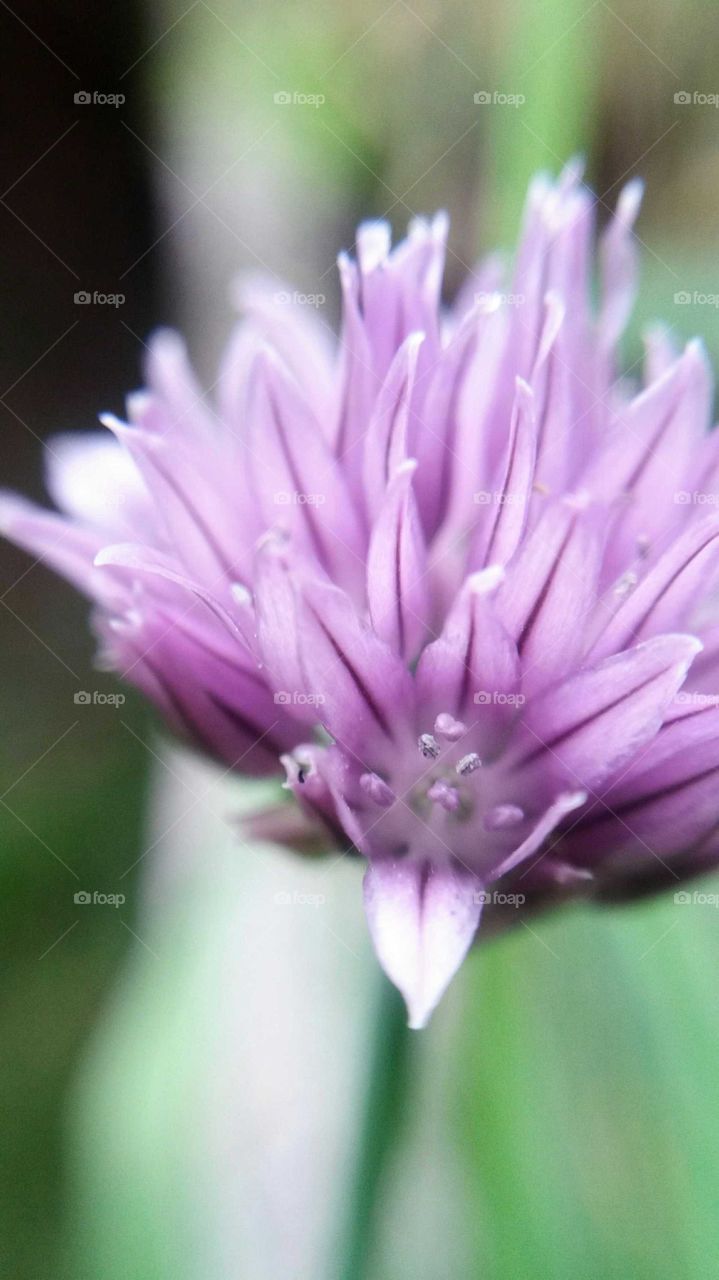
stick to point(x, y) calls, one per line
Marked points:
point(184, 1077)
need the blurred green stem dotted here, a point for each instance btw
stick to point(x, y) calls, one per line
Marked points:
point(384, 1109)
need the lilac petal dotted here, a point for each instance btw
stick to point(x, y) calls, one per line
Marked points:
point(472, 669)
point(278, 636)
point(666, 800)
point(294, 330)
point(397, 587)
point(306, 779)
point(705, 670)
point(423, 919)
point(564, 420)
point(509, 505)
point(436, 424)
point(591, 724)
point(92, 478)
point(676, 754)
point(64, 545)
point(189, 502)
point(487, 277)
point(649, 451)
point(553, 256)
point(618, 258)
point(364, 691)
point(418, 265)
point(171, 377)
point(386, 443)
point(232, 385)
point(665, 597)
point(660, 352)
point(141, 561)
point(298, 483)
point(394, 287)
point(550, 589)
point(562, 806)
point(226, 709)
point(358, 381)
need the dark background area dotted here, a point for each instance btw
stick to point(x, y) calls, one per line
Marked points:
point(75, 213)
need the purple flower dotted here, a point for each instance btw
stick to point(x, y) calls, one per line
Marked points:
point(451, 573)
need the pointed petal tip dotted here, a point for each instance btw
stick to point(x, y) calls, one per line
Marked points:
point(423, 920)
point(111, 420)
point(484, 581)
point(124, 554)
point(417, 1019)
point(630, 199)
point(12, 508)
point(374, 241)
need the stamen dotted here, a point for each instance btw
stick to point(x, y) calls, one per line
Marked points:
point(377, 789)
point(428, 745)
point(441, 793)
point(445, 726)
point(502, 816)
point(468, 764)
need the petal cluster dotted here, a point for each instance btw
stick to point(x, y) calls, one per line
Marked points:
point(454, 573)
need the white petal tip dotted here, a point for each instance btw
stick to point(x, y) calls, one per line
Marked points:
point(423, 920)
point(485, 580)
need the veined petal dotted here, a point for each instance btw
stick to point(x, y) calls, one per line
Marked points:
point(294, 330)
point(666, 595)
point(210, 534)
point(423, 919)
point(386, 442)
point(363, 690)
point(358, 380)
point(550, 589)
point(139, 561)
point(499, 535)
point(590, 725)
point(649, 449)
point(472, 671)
point(298, 484)
point(557, 811)
point(278, 637)
point(397, 587)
